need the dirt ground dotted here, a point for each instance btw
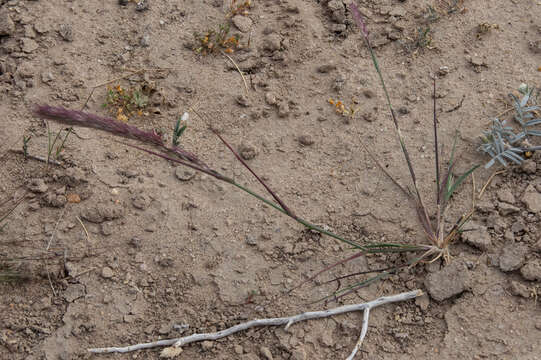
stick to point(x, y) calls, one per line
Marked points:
point(151, 245)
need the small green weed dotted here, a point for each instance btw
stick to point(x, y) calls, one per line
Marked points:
point(125, 102)
point(213, 41)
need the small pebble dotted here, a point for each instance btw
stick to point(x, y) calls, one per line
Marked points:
point(306, 140)
point(207, 345)
point(243, 23)
point(323, 69)
point(106, 272)
point(243, 101)
point(247, 151)
point(265, 351)
point(184, 173)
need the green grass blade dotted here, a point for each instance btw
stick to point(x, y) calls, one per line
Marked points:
point(459, 181)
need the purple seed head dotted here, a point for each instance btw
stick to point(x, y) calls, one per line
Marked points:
point(83, 119)
point(358, 18)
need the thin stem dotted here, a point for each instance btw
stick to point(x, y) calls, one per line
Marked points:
point(423, 213)
point(436, 148)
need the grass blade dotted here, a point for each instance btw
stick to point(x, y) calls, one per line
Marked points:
point(459, 181)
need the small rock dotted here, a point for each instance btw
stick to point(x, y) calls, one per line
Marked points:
point(141, 201)
point(106, 228)
point(477, 235)
point(528, 166)
point(170, 352)
point(397, 11)
point(403, 110)
point(73, 198)
point(270, 98)
point(447, 282)
point(485, 206)
point(508, 235)
point(506, 196)
point(145, 40)
point(338, 11)
point(324, 69)
point(518, 226)
point(422, 302)
point(102, 212)
point(41, 26)
point(74, 292)
point(28, 45)
point(66, 32)
point(207, 345)
point(337, 28)
point(106, 272)
point(477, 61)
point(251, 240)
point(149, 329)
point(243, 101)
point(184, 173)
point(243, 23)
point(7, 26)
point(368, 117)
point(298, 353)
point(369, 94)
point(54, 200)
point(29, 31)
point(37, 186)
point(283, 109)
point(532, 270)
point(519, 289)
point(306, 140)
point(247, 151)
point(532, 199)
point(72, 177)
point(142, 5)
point(164, 329)
point(507, 209)
point(272, 42)
point(166, 262)
point(443, 70)
point(339, 83)
point(537, 246)
point(535, 46)
point(238, 349)
point(128, 173)
point(266, 353)
point(512, 256)
point(136, 242)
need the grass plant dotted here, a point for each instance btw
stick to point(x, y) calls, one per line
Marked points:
point(438, 239)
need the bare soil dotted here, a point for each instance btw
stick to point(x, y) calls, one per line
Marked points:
point(151, 245)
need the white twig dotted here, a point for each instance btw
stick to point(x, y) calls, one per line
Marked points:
point(364, 329)
point(288, 321)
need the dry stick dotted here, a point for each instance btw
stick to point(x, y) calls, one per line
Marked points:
point(35, 157)
point(84, 228)
point(238, 69)
point(55, 227)
point(364, 330)
point(47, 249)
point(488, 182)
point(287, 321)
